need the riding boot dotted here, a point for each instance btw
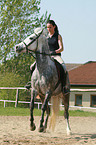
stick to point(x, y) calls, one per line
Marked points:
point(32, 68)
point(65, 80)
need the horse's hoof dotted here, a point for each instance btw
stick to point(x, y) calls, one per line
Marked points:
point(68, 132)
point(41, 129)
point(33, 127)
point(44, 130)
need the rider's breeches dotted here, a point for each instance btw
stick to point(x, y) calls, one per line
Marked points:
point(60, 60)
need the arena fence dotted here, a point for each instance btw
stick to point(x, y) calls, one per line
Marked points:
point(39, 103)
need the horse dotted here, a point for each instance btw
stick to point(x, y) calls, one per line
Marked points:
point(45, 81)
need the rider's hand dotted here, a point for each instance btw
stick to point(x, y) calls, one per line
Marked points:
point(53, 53)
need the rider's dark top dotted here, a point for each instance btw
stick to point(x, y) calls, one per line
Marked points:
point(53, 43)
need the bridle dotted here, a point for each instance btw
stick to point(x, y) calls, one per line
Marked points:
point(36, 52)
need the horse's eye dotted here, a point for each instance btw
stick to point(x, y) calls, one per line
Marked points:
point(31, 38)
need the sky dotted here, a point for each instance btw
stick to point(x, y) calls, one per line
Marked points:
point(76, 21)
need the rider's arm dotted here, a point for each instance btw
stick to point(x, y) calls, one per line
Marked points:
point(60, 44)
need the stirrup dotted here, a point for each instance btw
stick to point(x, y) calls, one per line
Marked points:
point(65, 90)
point(28, 85)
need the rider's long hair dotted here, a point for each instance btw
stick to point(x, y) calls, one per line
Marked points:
point(54, 24)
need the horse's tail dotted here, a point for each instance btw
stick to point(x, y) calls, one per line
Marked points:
point(55, 111)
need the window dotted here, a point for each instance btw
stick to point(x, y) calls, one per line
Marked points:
point(78, 100)
point(93, 100)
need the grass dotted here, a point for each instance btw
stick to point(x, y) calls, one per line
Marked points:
point(80, 113)
point(11, 111)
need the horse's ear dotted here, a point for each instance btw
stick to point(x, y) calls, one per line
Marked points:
point(38, 30)
point(45, 32)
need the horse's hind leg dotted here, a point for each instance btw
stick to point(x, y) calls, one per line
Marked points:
point(66, 113)
point(32, 125)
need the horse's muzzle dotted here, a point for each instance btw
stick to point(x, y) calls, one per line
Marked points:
point(18, 49)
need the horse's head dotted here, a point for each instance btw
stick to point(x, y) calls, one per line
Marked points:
point(30, 43)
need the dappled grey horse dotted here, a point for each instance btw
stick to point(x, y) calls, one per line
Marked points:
point(45, 80)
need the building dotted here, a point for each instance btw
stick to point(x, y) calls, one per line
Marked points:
point(83, 77)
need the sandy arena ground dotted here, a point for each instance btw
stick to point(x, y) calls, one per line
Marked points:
point(16, 131)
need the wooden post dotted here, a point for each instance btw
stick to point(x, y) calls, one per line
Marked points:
point(17, 97)
point(4, 103)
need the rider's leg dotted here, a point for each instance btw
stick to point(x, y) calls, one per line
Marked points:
point(32, 68)
point(65, 82)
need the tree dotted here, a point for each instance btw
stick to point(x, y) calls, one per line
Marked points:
point(17, 21)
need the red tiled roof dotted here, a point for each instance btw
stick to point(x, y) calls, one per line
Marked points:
point(84, 74)
point(71, 66)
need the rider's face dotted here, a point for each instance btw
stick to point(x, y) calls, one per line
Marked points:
point(50, 28)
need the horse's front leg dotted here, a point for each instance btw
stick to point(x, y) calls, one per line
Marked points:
point(32, 124)
point(47, 116)
point(44, 107)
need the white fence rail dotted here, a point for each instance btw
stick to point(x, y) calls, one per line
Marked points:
point(38, 103)
point(17, 92)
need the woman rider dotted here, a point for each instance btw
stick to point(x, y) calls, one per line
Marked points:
point(56, 47)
